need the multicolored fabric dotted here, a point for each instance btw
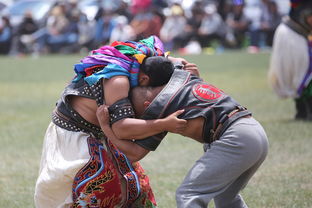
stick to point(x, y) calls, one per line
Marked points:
point(120, 58)
point(99, 183)
point(308, 76)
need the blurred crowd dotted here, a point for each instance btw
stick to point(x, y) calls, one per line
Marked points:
point(183, 26)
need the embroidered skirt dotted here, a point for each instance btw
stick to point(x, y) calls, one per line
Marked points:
point(77, 170)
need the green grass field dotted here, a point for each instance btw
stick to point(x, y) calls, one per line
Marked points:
point(30, 87)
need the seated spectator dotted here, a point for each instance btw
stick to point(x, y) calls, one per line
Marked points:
point(212, 27)
point(237, 23)
point(86, 30)
point(61, 32)
point(224, 8)
point(58, 33)
point(146, 22)
point(26, 27)
point(122, 30)
point(138, 6)
point(173, 26)
point(5, 35)
point(104, 28)
point(190, 30)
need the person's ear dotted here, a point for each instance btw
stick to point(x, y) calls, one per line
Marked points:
point(146, 104)
point(144, 80)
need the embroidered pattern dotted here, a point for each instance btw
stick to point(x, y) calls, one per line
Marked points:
point(98, 183)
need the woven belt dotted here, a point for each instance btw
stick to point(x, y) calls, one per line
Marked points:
point(226, 121)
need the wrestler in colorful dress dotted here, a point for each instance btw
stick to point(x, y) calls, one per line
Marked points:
point(80, 167)
point(290, 72)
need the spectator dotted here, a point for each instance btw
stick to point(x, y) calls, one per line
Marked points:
point(5, 35)
point(124, 10)
point(193, 23)
point(212, 27)
point(137, 6)
point(86, 30)
point(224, 7)
point(100, 11)
point(170, 30)
point(58, 33)
point(146, 22)
point(61, 32)
point(122, 31)
point(104, 28)
point(254, 29)
point(270, 19)
point(237, 23)
point(71, 9)
point(27, 27)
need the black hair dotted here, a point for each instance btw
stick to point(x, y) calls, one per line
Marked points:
point(158, 68)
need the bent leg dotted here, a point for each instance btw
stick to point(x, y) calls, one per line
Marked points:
point(240, 148)
point(64, 154)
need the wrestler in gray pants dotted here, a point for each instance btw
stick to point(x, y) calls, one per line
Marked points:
point(225, 168)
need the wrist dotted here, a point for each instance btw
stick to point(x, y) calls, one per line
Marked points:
point(162, 125)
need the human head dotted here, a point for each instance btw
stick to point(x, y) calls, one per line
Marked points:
point(141, 97)
point(155, 71)
point(176, 10)
point(301, 12)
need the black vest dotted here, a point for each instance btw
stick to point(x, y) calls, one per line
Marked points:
point(198, 98)
point(66, 117)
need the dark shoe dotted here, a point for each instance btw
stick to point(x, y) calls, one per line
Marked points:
point(301, 109)
point(308, 106)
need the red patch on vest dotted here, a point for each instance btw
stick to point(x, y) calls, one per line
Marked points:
point(206, 92)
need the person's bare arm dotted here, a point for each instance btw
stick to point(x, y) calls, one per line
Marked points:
point(133, 151)
point(126, 128)
point(118, 88)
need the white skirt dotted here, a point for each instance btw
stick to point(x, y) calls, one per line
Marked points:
point(289, 62)
point(64, 154)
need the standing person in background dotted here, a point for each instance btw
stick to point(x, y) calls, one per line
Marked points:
point(254, 29)
point(5, 35)
point(290, 71)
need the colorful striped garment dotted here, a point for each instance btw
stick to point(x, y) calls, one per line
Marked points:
point(120, 58)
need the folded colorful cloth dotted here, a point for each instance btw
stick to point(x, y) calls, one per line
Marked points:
point(120, 58)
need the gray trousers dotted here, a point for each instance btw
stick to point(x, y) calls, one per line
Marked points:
point(225, 168)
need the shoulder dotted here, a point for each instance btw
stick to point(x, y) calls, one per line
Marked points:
point(116, 81)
